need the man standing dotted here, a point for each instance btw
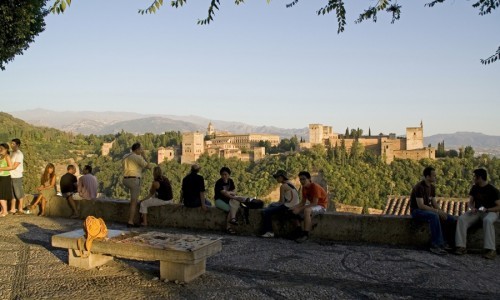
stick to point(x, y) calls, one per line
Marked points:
point(87, 185)
point(16, 174)
point(484, 205)
point(133, 165)
point(423, 206)
point(318, 202)
point(68, 184)
point(193, 189)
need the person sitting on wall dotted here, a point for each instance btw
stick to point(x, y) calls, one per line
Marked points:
point(47, 188)
point(289, 198)
point(87, 185)
point(423, 206)
point(193, 190)
point(160, 194)
point(318, 202)
point(484, 205)
point(69, 186)
point(226, 198)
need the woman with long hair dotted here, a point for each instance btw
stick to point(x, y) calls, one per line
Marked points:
point(160, 193)
point(47, 188)
point(5, 181)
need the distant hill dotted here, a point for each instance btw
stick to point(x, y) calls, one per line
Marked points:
point(88, 122)
point(459, 139)
point(152, 124)
point(481, 143)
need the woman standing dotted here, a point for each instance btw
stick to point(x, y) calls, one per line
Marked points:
point(47, 188)
point(5, 181)
point(160, 194)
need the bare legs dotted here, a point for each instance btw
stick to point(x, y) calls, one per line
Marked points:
point(3, 203)
point(72, 204)
point(41, 199)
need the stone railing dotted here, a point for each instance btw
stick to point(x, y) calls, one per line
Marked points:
point(344, 227)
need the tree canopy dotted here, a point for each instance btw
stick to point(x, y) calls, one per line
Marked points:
point(20, 23)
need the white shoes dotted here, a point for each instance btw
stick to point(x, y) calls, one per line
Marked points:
point(268, 235)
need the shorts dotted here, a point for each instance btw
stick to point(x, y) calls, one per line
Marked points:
point(17, 188)
point(221, 204)
point(315, 210)
point(68, 194)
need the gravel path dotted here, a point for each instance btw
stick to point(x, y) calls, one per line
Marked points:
point(247, 268)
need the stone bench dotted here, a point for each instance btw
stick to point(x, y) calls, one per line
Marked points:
point(182, 257)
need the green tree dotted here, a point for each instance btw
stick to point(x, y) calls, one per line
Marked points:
point(20, 23)
point(468, 152)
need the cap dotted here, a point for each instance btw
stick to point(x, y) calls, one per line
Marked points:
point(281, 173)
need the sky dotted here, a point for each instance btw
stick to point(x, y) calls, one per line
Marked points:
point(265, 64)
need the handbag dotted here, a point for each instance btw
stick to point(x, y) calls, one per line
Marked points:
point(94, 229)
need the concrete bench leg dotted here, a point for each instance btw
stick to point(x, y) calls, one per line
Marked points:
point(87, 263)
point(181, 272)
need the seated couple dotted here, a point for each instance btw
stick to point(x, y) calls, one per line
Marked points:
point(314, 202)
point(83, 188)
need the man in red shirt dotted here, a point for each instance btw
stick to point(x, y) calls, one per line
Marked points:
point(317, 200)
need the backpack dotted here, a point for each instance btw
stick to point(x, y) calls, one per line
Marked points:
point(250, 203)
point(94, 229)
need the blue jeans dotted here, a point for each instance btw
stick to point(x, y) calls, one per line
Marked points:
point(437, 239)
point(267, 215)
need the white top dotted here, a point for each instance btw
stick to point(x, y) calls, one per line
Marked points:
point(17, 156)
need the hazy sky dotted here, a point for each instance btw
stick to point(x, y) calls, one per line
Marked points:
point(267, 65)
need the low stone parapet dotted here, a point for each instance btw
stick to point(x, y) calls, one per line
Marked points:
point(381, 229)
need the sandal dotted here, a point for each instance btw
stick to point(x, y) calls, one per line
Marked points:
point(233, 221)
point(230, 230)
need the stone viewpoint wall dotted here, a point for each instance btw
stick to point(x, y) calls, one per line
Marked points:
point(342, 227)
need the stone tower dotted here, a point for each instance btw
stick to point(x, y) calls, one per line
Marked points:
point(211, 130)
point(415, 137)
point(315, 134)
point(193, 145)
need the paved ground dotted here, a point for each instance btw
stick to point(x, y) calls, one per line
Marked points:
point(247, 268)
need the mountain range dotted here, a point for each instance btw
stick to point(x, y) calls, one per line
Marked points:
point(91, 122)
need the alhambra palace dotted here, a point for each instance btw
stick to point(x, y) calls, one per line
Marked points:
point(246, 146)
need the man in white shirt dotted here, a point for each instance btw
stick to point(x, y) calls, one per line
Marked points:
point(16, 174)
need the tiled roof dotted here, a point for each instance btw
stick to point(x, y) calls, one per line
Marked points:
point(400, 205)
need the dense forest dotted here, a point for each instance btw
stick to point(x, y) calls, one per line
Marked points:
point(357, 177)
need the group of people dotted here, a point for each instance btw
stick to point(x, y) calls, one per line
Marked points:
point(11, 183)
point(484, 202)
point(83, 188)
point(193, 194)
point(483, 206)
